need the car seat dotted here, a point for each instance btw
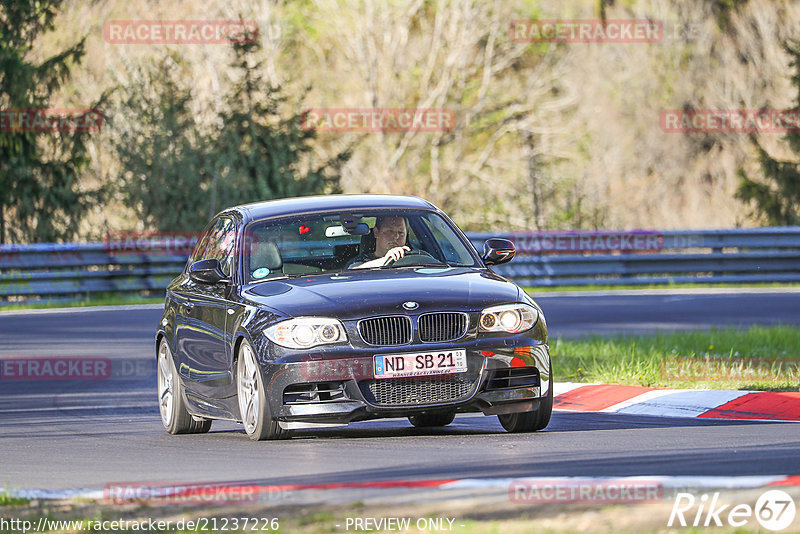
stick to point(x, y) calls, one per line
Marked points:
point(367, 245)
point(265, 255)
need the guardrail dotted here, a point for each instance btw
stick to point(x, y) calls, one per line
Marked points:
point(69, 271)
point(549, 259)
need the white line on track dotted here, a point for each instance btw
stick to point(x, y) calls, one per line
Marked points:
point(664, 292)
point(84, 309)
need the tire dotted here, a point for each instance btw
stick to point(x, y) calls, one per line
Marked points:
point(171, 398)
point(422, 420)
point(253, 406)
point(531, 421)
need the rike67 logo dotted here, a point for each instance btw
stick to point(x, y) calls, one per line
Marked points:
point(774, 510)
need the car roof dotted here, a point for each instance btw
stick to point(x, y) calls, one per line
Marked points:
point(289, 206)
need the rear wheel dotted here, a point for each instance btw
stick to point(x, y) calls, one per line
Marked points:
point(171, 403)
point(531, 421)
point(253, 406)
point(420, 420)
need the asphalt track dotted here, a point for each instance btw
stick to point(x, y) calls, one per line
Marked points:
point(88, 434)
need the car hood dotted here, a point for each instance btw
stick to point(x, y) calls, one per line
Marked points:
point(355, 293)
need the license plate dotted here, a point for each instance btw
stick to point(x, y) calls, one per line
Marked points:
point(421, 363)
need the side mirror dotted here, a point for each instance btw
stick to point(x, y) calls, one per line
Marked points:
point(207, 271)
point(497, 251)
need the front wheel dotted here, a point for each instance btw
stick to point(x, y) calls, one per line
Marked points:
point(253, 407)
point(174, 415)
point(531, 421)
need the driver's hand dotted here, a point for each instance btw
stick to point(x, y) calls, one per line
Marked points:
point(395, 253)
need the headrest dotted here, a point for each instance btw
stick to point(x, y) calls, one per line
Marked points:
point(367, 243)
point(265, 254)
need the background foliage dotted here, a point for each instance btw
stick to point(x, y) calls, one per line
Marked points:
point(41, 197)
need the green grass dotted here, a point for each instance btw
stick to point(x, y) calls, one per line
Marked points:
point(758, 358)
point(609, 287)
point(9, 500)
point(102, 299)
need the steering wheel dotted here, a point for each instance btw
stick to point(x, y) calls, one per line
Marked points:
point(413, 257)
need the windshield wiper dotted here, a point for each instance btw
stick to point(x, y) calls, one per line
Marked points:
point(284, 277)
point(432, 265)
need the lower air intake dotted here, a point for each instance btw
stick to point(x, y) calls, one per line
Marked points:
point(417, 391)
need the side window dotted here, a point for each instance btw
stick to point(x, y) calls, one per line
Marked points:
point(218, 242)
point(413, 240)
point(201, 245)
point(221, 243)
point(454, 252)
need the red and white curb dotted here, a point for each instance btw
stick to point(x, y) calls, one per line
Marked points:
point(666, 482)
point(640, 400)
point(749, 405)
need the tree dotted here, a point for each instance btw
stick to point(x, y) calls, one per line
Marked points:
point(175, 174)
point(777, 199)
point(262, 150)
point(161, 150)
point(40, 194)
point(482, 167)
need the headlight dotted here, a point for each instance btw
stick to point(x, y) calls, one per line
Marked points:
point(511, 318)
point(306, 332)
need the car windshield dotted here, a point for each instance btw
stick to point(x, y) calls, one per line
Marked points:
point(332, 242)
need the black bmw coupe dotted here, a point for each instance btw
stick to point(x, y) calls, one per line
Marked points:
point(290, 315)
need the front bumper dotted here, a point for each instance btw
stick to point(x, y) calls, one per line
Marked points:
point(341, 390)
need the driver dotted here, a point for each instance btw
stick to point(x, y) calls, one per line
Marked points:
point(390, 238)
